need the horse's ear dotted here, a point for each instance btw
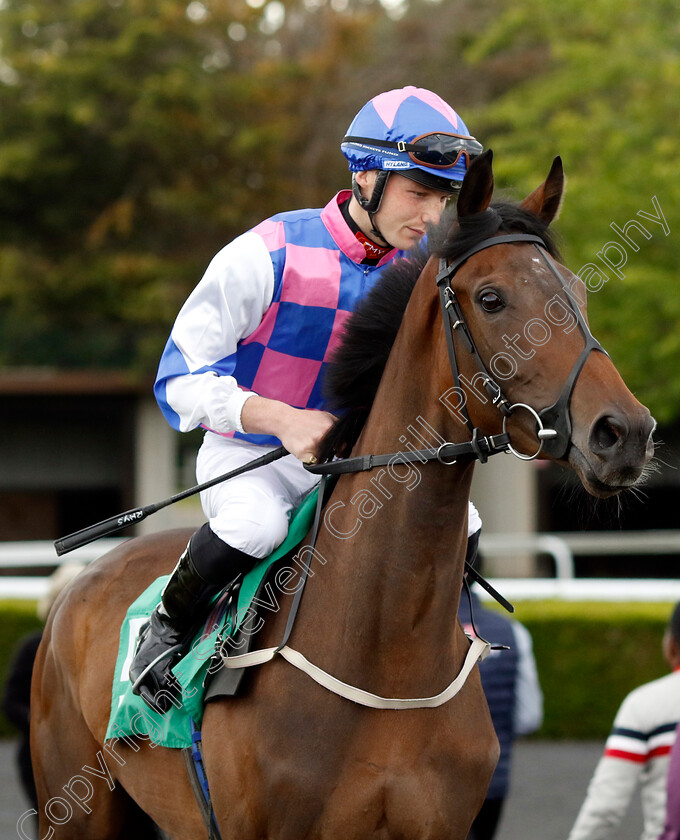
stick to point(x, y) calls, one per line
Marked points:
point(475, 194)
point(545, 201)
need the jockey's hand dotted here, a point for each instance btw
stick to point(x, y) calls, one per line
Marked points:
point(304, 432)
point(299, 430)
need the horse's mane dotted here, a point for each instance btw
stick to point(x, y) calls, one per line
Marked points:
point(358, 362)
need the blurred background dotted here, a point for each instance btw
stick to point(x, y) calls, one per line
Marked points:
point(137, 137)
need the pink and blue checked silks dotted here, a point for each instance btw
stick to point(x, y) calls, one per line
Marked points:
point(264, 319)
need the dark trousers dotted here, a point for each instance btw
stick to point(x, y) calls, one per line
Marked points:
point(486, 822)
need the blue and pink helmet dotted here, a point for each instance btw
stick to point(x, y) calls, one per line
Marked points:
point(413, 132)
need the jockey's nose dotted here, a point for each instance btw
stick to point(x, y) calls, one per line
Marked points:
point(433, 210)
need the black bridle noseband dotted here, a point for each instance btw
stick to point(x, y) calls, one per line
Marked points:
point(553, 423)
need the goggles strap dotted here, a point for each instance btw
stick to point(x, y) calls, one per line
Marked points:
point(400, 145)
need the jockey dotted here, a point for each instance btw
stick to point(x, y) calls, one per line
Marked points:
point(247, 353)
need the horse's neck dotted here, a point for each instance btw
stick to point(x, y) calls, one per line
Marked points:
point(407, 542)
point(395, 538)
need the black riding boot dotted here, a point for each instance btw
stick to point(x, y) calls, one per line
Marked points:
point(204, 568)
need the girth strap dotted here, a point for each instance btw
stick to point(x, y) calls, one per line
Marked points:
point(193, 761)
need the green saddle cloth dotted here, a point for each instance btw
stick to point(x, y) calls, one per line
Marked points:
point(130, 716)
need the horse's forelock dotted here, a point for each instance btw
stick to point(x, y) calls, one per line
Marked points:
point(453, 240)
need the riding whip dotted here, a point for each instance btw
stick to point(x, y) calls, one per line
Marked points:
point(132, 517)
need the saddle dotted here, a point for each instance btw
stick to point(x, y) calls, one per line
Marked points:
point(235, 615)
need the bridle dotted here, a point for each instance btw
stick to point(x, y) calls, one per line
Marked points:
point(553, 423)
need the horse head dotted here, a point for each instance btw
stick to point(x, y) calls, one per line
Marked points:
point(528, 363)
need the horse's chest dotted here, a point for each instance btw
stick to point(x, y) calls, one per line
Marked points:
point(425, 789)
point(351, 773)
point(433, 798)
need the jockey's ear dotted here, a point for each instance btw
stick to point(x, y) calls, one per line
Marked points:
point(475, 194)
point(545, 201)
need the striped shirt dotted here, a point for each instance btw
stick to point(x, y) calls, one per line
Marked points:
point(637, 752)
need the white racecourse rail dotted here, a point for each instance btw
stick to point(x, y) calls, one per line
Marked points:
point(18, 558)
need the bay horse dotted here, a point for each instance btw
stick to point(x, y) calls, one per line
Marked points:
point(288, 759)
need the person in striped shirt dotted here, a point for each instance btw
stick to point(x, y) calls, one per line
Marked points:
point(637, 752)
point(247, 354)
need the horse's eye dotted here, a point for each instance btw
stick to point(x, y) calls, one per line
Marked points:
point(491, 302)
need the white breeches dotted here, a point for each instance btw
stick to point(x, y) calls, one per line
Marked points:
point(250, 512)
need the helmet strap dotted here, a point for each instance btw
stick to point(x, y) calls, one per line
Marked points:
point(372, 205)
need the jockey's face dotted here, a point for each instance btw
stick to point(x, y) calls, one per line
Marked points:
point(406, 211)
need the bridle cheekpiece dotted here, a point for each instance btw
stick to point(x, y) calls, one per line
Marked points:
point(553, 423)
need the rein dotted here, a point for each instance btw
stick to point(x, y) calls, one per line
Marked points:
point(448, 453)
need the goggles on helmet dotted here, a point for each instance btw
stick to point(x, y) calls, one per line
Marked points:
point(438, 150)
point(442, 151)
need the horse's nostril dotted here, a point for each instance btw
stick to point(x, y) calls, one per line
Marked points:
point(607, 432)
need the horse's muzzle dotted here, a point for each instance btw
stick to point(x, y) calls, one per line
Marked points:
point(620, 445)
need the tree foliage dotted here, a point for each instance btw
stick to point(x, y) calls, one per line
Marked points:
point(137, 137)
point(604, 100)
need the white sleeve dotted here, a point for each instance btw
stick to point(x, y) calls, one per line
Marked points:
point(474, 519)
point(226, 306)
point(609, 794)
point(528, 711)
point(616, 777)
